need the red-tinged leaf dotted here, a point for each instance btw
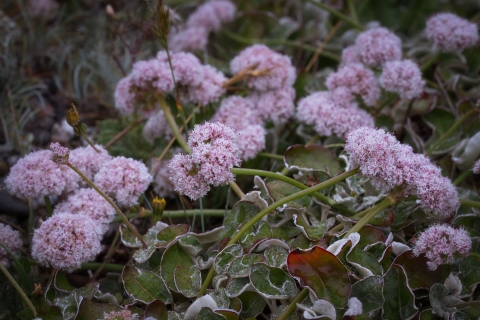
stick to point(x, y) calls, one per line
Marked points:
point(418, 274)
point(370, 235)
point(399, 298)
point(156, 309)
point(321, 271)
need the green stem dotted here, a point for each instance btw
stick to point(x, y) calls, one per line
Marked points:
point(295, 183)
point(173, 125)
point(293, 305)
point(236, 188)
point(177, 214)
point(451, 130)
point(17, 287)
point(120, 213)
point(109, 255)
point(48, 204)
point(430, 61)
point(90, 143)
point(353, 12)
point(112, 267)
point(272, 207)
point(270, 155)
point(470, 203)
point(372, 212)
point(337, 14)
point(312, 140)
point(273, 42)
point(462, 177)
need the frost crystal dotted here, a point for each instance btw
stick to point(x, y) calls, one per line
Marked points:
point(451, 32)
point(65, 241)
point(441, 244)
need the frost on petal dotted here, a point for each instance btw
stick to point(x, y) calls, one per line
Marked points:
point(124, 179)
point(276, 70)
point(451, 32)
point(404, 78)
point(441, 244)
point(11, 239)
point(377, 46)
point(65, 241)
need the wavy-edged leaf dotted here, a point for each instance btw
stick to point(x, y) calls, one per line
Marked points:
point(170, 234)
point(276, 256)
point(157, 310)
point(242, 211)
point(238, 286)
point(129, 239)
point(312, 157)
point(418, 274)
point(311, 232)
point(190, 244)
point(399, 298)
point(252, 304)
point(260, 230)
point(173, 257)
point(240, 266)
point(188, 280)
point(369, 292)
point(322, 272)
point(145, 286)
point(226, 256)
point(279, 189)
point(272, 283)
point(90, 310)
point(142, 255)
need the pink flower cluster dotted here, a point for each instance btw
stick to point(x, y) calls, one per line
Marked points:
point(120, 315)
point(150, 79)
point(476, 167)
point(240, 114)
point(207, 18)
point(328, 113)
point(441, 244)
point(65, 241)
point(388, 164)
point(214, 153)
point(11, 239)
point(59, 154)
point(377, 46)
point(356, 79)
point(89, 203)
point(157, 127)
point(271, 79)
point(402, 77)
point(35, 175)
point(124, 179)
point(89, 161)
point(451, 32)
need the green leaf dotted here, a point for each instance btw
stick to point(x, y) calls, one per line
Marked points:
point(276, 256)
point(208, 314)
point(399, 299)
point(441, 300)
point(312, 157)
point(470, 270)
point(365, 260)
point(237, 286)
point(173, 257)
point(142, 255)
point(188, 280)
point(190, 244)
point(252, 304)
point(259, 231)
point(312, 232)
point(145, 286)
point(369, 292)
point(441, 121)
point(280, 189)
point(383, 219)
point(225, 258)
point(90, 310)
point(156, 309)
point(242, 211)
point(129, 239)
point(272, 283)
point(417, 271)
point(170, 234)
point(240, 266)
point(322, 272)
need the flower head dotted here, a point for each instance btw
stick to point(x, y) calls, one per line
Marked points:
point(251, 140)
point(189, 39)
point(377, 46)
point(350, 55)
point(212, 14)
point(358, 80)
point(276, 106)
point(124, 97)
point(35, 175)
point(124, 179)
point(88, 160)
point(65, 241)
point(403, 77)
point(120, 315)
point(237, 112)
point(162, 185)
point(90, 203)
point(275, 70)
point(476, 167)
point(59, 154)
point(451, 32)
point(11, 239)
point(185, 178)
point(441, 244)
point(157, 127)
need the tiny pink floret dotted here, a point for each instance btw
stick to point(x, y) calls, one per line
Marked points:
point(451, 32)
point(11, 239)
point(377, 46)
point(404, 78)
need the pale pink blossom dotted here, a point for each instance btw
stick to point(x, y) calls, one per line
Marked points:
point(124, 179)
point(212, 14)
point(65, 241)
point(157, 127)
point(90, 203)
point(59, 154)
point(451, 32)
point(185, 178)
point(120, 315)
point(162, 186)
point(124, 97)
point(237, 112)
point(402, 77)
point(275, 70)
point(350, 55)
point(209, 133)
point(476, 167)
point(11, 239)
point(187, 68)
point(35, 175)
point(442, 244)
point(189, 39)
point(358, 80)
point(377, 46)
point(275, 106)
point(251, 140)
point(88, 160)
